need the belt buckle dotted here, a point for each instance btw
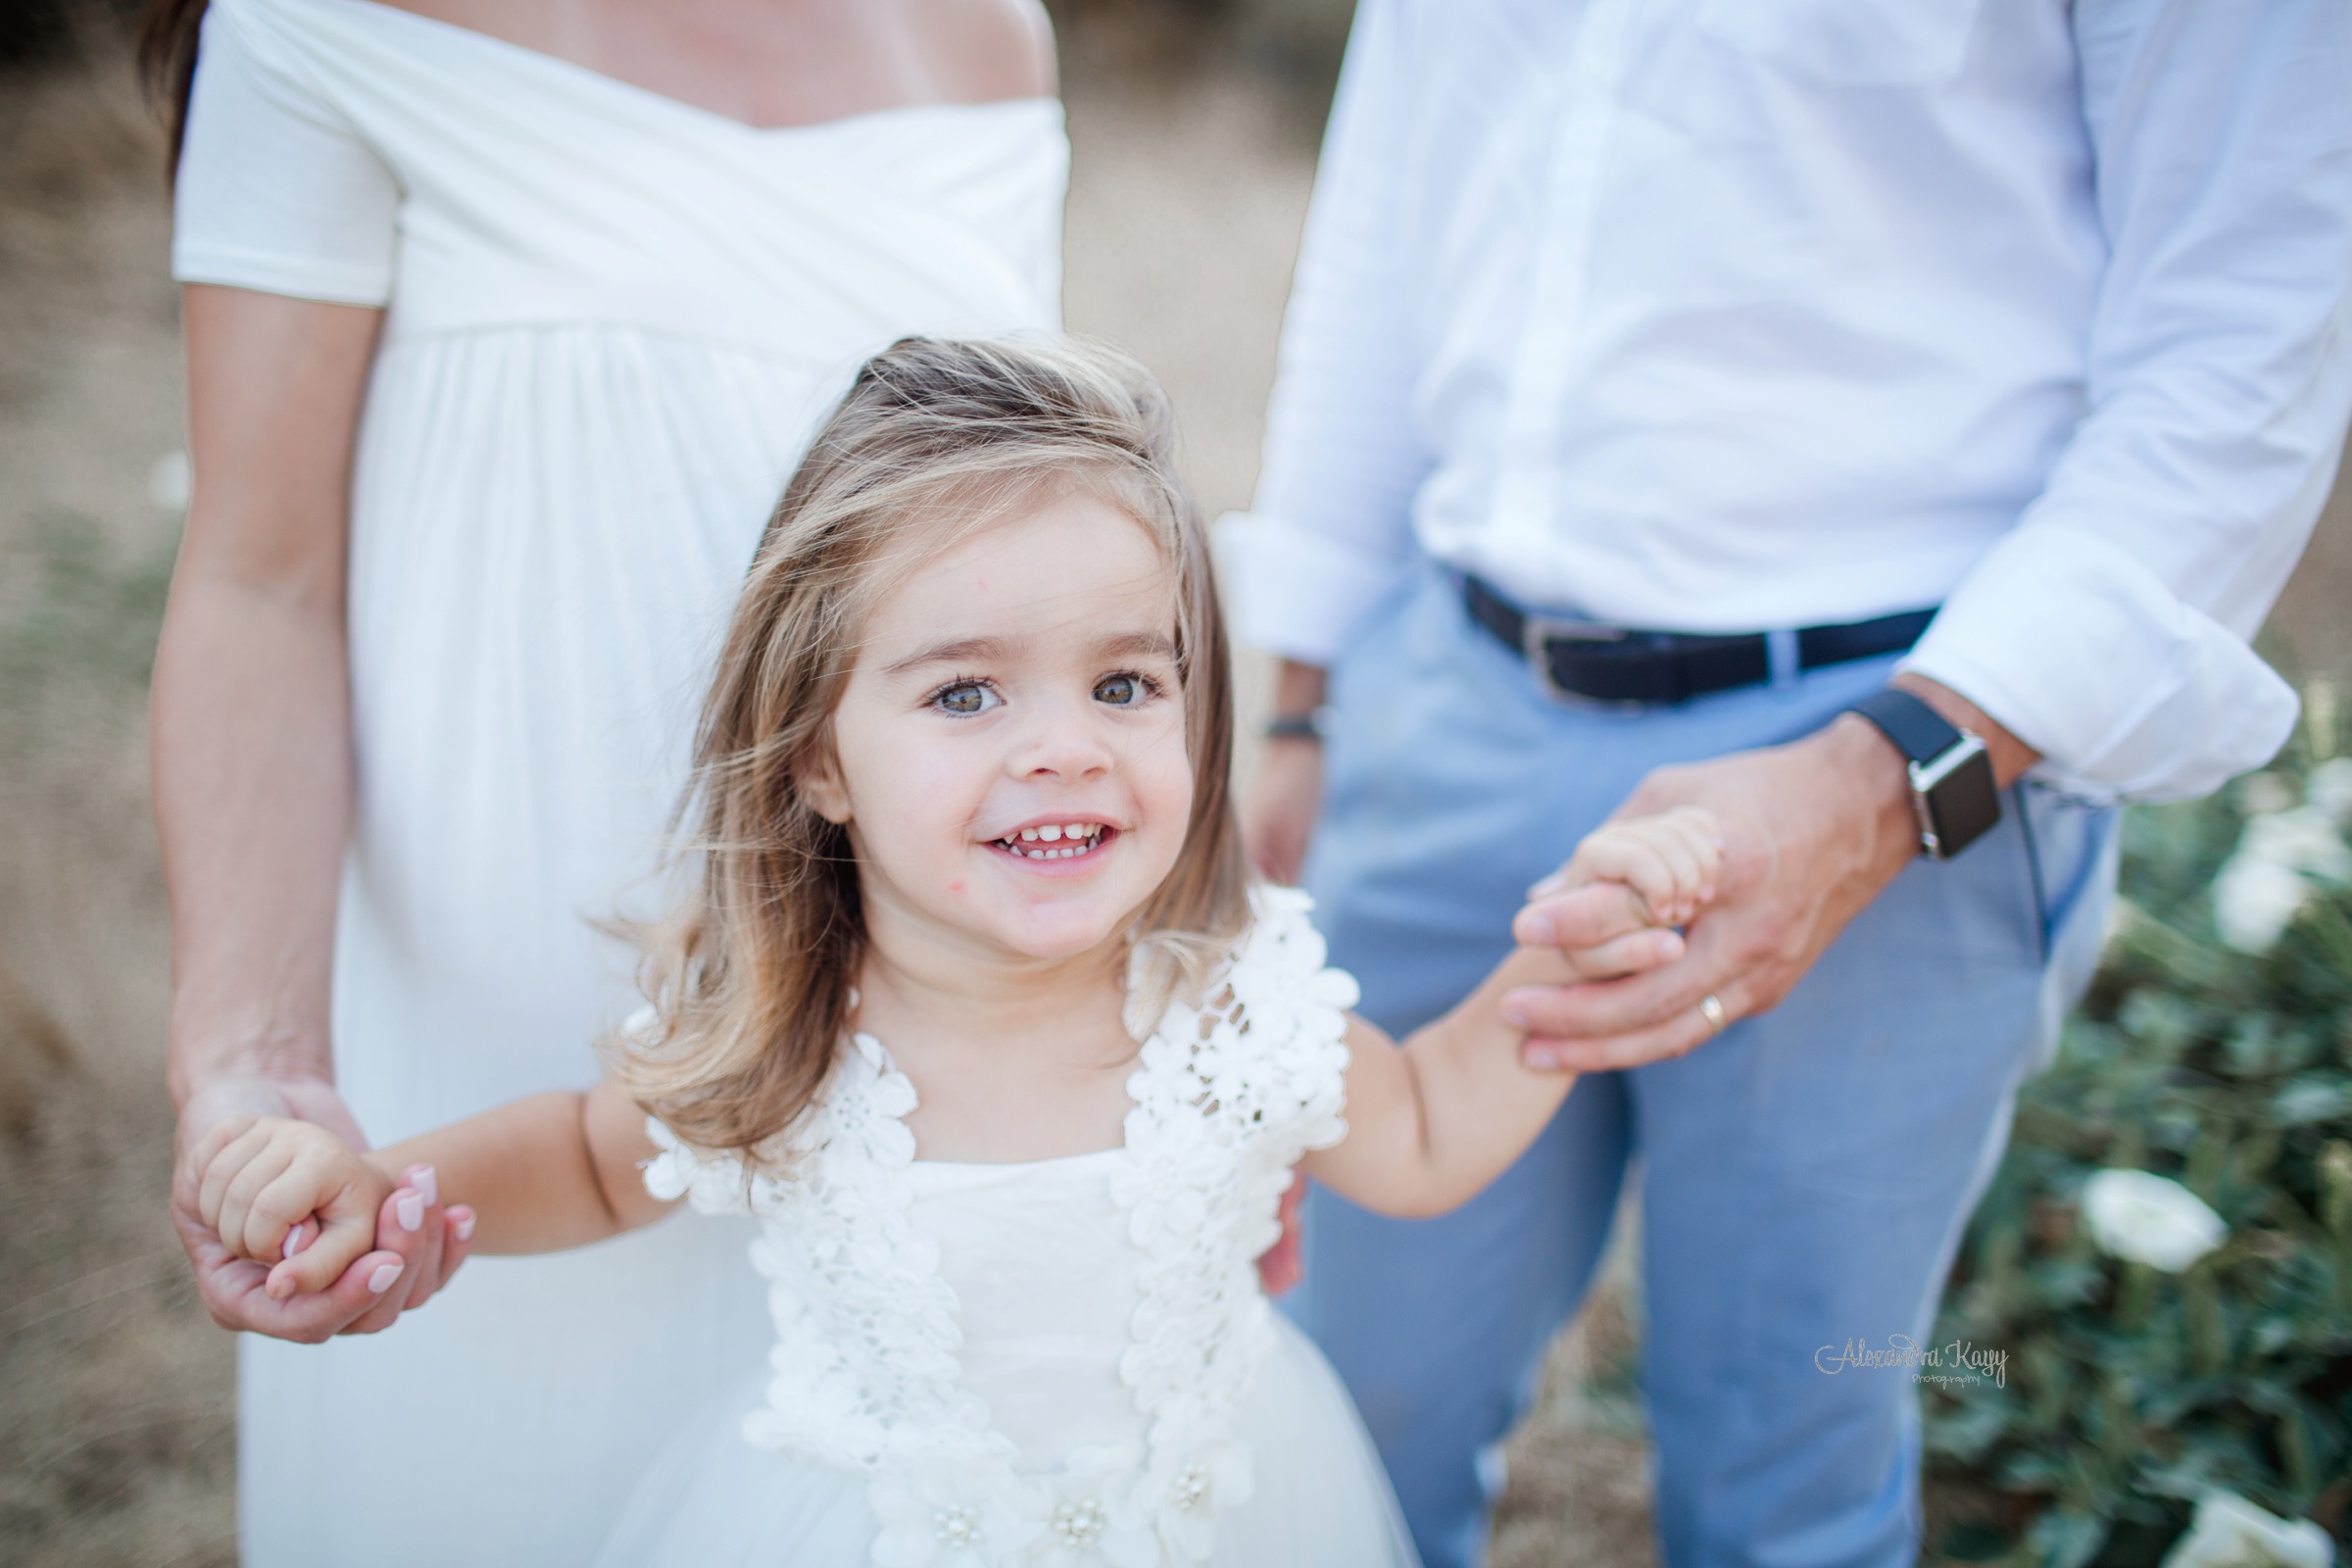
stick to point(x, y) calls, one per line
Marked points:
point(1538, 631)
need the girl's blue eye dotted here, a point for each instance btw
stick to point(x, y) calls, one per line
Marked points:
point(965, 697)
point(1122, 691)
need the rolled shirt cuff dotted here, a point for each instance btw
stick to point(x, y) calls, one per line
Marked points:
point(1298, 593)
point(2090, 658)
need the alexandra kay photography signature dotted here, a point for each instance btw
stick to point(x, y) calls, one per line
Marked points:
point(1961, 1361)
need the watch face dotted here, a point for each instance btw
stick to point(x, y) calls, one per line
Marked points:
point(1962, 803)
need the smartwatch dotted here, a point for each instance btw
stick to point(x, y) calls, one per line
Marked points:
point(1953, 795)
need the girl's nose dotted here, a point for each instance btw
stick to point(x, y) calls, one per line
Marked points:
point(1063, 741)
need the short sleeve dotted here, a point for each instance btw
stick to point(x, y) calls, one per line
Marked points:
point(1293, 1070)
point(277, 192)
point(712, 1183)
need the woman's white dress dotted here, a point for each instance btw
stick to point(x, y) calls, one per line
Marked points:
point(1060, 1364)
point(612, 321)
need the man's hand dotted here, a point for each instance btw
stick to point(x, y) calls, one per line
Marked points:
point(419, 1245)
point(1281, 814)
point(1813, 832)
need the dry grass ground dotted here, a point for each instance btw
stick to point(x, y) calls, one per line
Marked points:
point(115, 1392)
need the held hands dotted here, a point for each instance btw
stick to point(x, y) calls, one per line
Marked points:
point(1664, 867)
point(290, 1200)
point(1814, 831)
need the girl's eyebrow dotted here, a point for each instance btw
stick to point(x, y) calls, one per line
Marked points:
point(1137, 645)
point(961, 650)
point(979, 650)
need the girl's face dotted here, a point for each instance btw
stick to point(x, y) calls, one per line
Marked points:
point(1009, 751)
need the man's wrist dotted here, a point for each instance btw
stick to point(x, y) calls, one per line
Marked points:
point(2011, 757)
point(1881, 780)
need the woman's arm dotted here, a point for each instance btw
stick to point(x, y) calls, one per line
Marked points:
point(252, 740)
point(252, 758)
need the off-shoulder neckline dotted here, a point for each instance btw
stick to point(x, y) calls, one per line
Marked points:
point(541, 60)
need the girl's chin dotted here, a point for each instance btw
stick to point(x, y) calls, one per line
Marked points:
point(1061, 928)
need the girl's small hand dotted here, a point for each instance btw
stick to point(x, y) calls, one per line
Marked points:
point(266, 1180)
point(1672, 860)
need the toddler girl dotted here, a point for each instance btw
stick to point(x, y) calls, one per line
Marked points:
point(963, 839)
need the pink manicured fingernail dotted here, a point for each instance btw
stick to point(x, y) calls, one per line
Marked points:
point(410, 1210)
point(422, 1178)
point(382, 1280)
point(465, 1219)
point(296, 1241)
point(1516, 1016)
point(1542, 1061)
point(1536, 931)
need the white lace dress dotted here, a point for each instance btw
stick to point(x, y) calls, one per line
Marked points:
point(1063, 1362)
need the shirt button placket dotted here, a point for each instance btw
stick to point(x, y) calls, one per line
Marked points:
point(1527, 494)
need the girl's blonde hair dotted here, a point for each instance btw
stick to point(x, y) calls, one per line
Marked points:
point(750, 973)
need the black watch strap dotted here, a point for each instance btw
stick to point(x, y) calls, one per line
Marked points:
point(1953, 793)
point(1918, 731)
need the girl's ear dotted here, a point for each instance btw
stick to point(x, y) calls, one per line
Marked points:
point(821, 785)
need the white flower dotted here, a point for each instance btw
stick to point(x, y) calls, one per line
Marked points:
point(2254, 902)
point(170, 482)
point(1093, 1515)
point(2303, 840)
point(2122, 913)
point(2260, 887)
point(2258, 794)
point(2329, 788)
point(2146, 1219)
point(947, 1510)
point(1216, 1475)
point(2230, 1532)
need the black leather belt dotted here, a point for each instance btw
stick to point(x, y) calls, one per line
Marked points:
point(1619, 665)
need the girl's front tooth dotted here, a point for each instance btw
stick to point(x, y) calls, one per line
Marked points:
point(1076, 830)
point(1049, 832)
point(1028, 835)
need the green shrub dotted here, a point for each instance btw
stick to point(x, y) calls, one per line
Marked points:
point(2131, 1392)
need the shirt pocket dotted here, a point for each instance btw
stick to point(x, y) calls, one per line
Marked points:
point(1848, 42)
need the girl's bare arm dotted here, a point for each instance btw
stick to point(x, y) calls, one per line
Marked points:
point(553, 1171)
point(556, 1170)
point(1431, 1123)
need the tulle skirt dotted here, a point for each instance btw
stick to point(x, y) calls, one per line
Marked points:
point(1320, 1501)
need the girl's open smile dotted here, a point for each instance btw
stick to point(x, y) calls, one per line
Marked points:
point(1044, 844)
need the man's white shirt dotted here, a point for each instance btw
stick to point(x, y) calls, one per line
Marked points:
point(1747, 314)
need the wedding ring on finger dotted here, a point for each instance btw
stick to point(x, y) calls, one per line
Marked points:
point(1710, 1008)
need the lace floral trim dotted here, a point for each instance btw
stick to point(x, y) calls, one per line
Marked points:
point(1228, 1095)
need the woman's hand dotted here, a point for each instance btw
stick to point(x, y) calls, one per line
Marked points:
point(418, 1246)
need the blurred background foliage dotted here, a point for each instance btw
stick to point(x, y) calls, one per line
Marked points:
point(2131, 1391)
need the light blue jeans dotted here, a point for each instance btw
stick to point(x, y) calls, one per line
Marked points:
point(1805, 1177)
